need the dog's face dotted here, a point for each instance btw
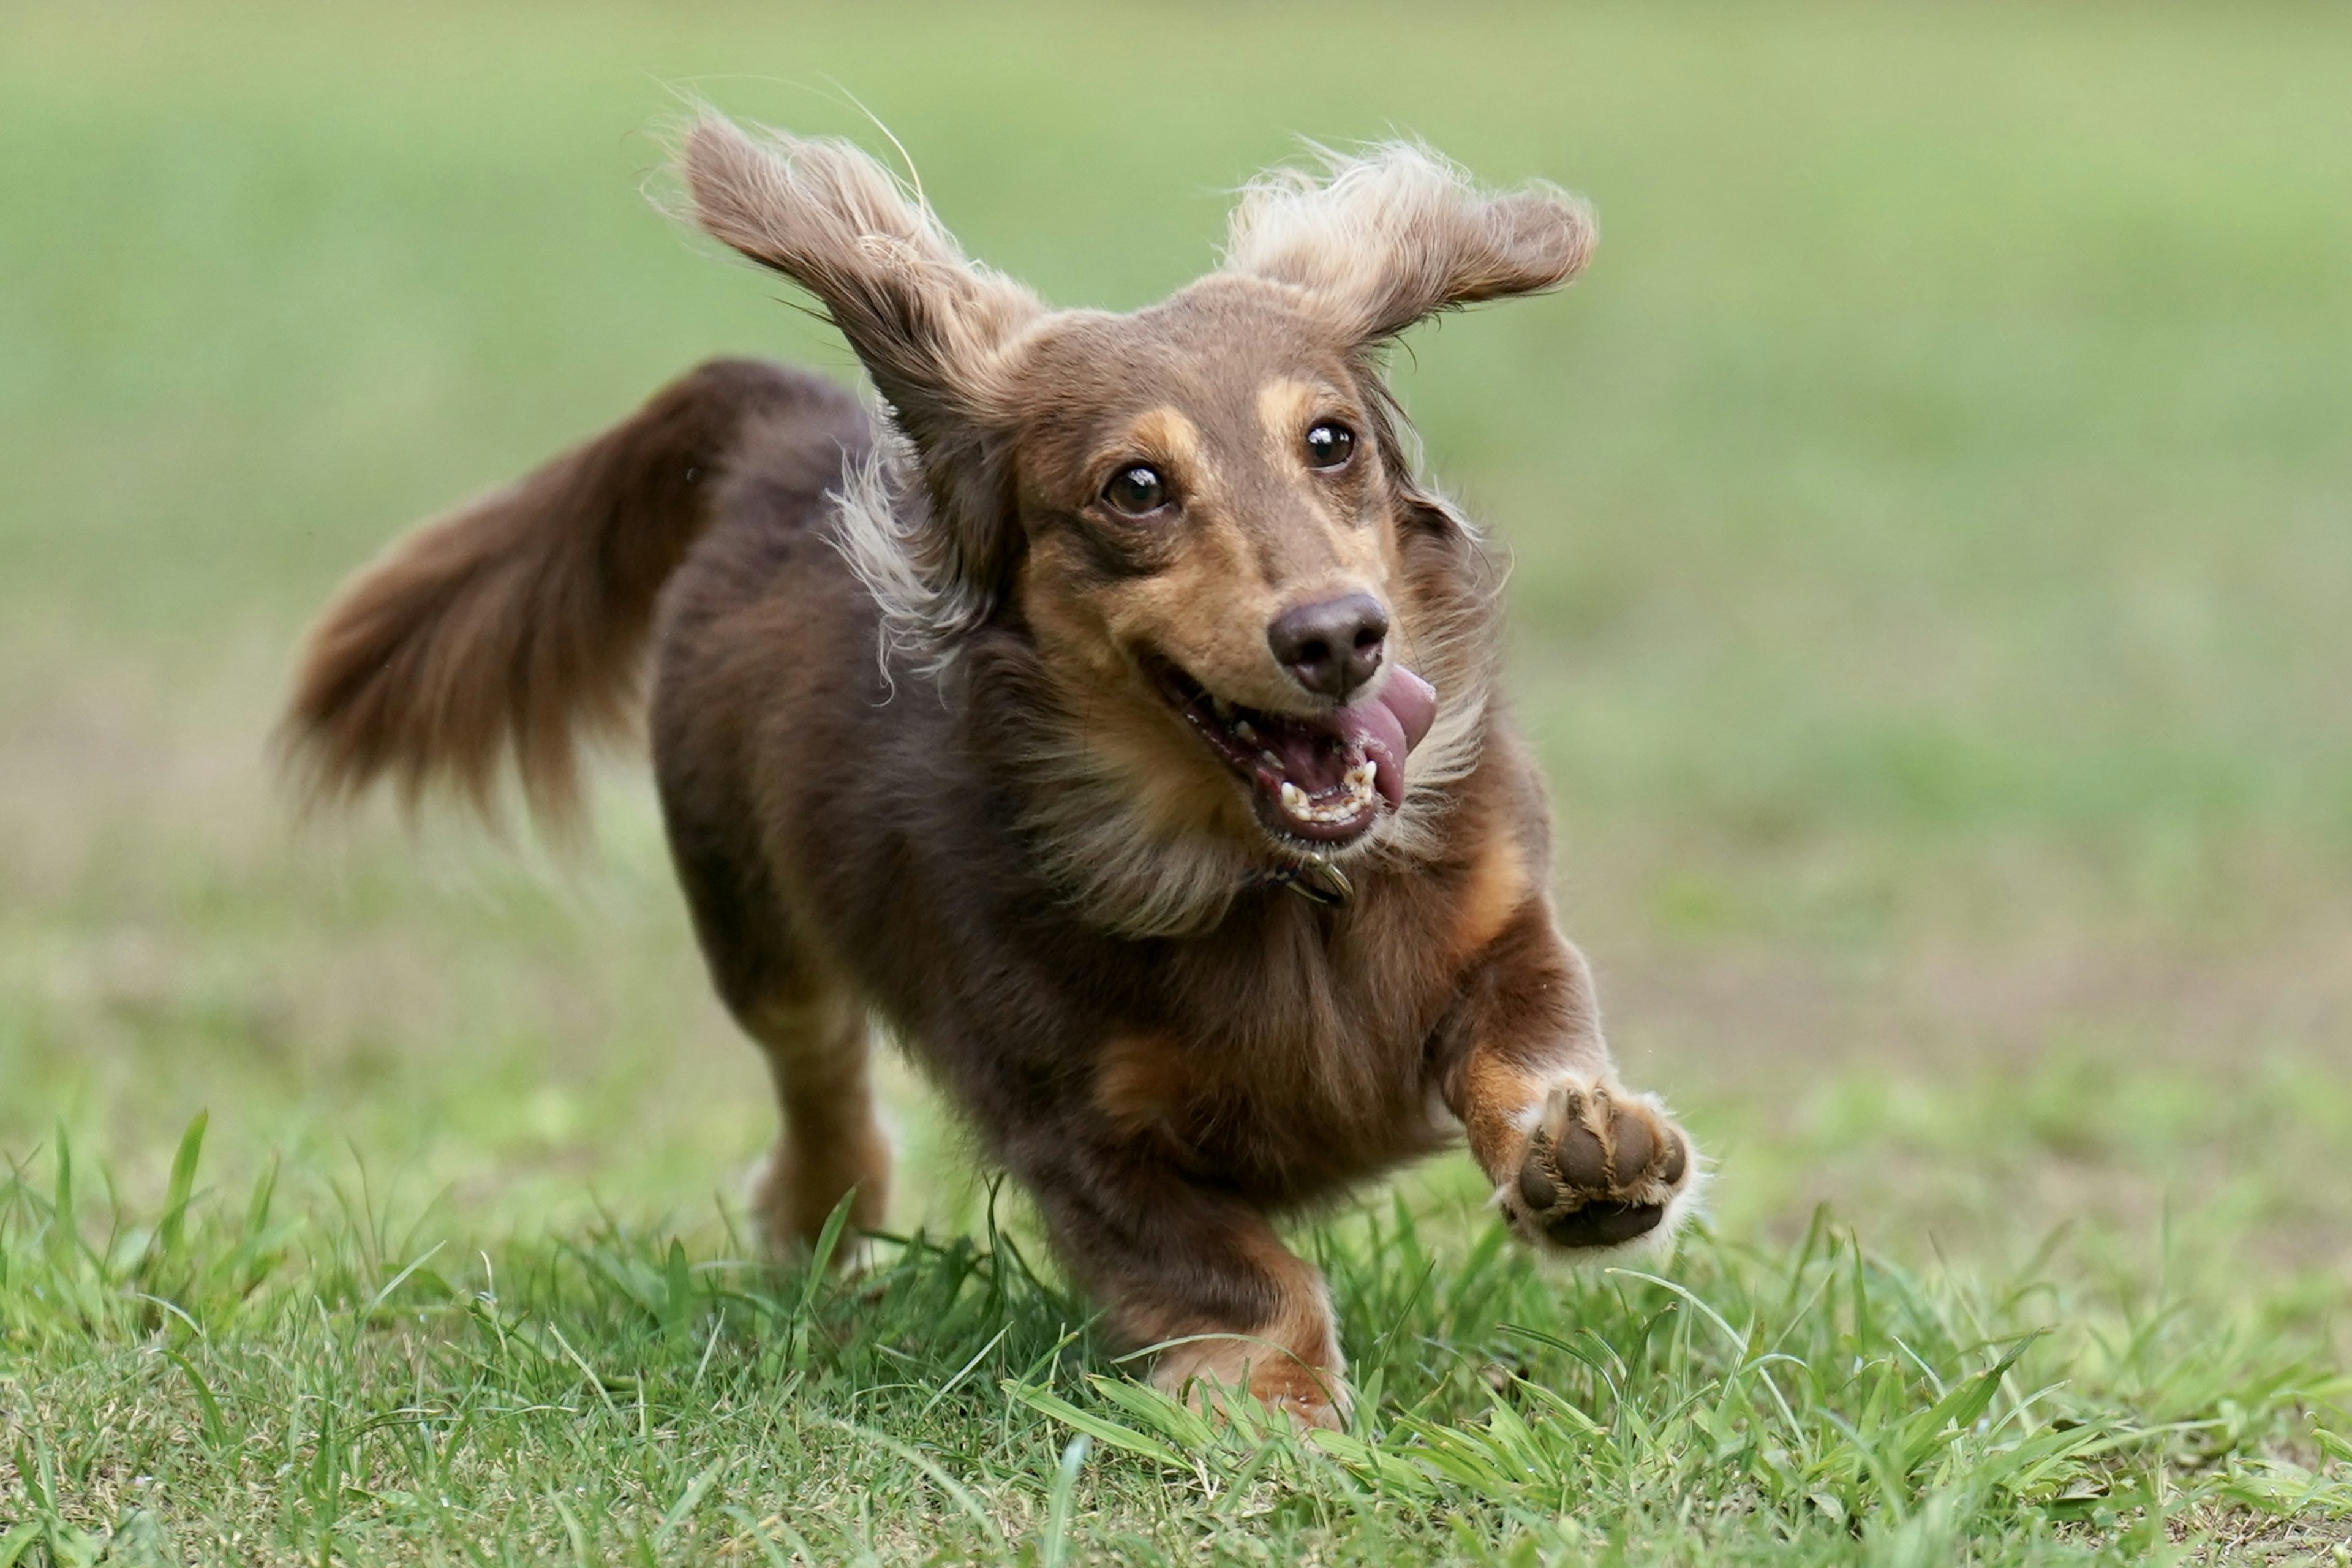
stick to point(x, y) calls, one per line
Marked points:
point(1199, 512)
point(1212, 560)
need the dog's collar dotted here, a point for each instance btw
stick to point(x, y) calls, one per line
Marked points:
point(1317, 881)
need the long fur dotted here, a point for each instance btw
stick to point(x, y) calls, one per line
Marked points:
point(947, 736)
point(935, 330)
point(1388, 236)
point(924, 611)
point(514, 627)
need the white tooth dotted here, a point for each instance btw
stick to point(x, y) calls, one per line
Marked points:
point(1248, 736)
point(1225, 709)
point(1356, 795)
point(1270, 760)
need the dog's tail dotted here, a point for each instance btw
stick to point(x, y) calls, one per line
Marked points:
point(517, 623)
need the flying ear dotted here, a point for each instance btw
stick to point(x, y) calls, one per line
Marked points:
point(934, 330)
point(930, 325)
point(1383, 239)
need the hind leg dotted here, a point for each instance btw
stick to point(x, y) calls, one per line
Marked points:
point(830, 1144)
point(805, 1020)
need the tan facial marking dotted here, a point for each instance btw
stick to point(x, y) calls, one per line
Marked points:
point(1207, 610)
point(1353, 557)
point(1165, 433)
point(1284, 406)
point(1176, 785)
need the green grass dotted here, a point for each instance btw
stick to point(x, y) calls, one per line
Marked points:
point(1932, 525)
point(345, 1383)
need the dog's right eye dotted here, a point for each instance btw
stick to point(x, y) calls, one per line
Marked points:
point(1138, 490)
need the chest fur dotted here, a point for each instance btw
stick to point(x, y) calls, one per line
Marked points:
point(1298, 1045)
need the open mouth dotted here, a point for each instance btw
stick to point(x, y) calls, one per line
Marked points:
point(1323, 778)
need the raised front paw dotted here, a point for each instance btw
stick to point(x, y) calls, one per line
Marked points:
point(1600, 1169)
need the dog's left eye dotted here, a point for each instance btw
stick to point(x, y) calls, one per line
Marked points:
point(1136, 490)
point(1329, 444)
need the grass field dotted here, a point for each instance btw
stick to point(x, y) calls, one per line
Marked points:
point(1933, 533)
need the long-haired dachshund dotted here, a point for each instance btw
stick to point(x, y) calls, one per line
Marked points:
point(1109, 714)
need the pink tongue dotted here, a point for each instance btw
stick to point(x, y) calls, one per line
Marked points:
point(1389, 726)
point(1414, 702)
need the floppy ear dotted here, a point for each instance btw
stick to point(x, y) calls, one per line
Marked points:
point(1381, 240)
point(932, 327)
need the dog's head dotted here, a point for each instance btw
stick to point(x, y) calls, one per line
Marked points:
point(1201, 514)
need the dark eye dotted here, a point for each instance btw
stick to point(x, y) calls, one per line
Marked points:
point(1330, 445)
point(1138, 490)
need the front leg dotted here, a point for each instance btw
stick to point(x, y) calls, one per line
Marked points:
point(1195, 1270)
point(1579, 1165)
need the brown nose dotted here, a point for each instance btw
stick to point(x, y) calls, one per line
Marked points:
point(1332, 647)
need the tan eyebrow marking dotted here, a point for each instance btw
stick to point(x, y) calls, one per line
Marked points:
point(1283, 406)
point(1166, 432)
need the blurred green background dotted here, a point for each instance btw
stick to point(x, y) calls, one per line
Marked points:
point(1932, 521)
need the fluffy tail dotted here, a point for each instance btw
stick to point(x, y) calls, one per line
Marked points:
point(517, 622)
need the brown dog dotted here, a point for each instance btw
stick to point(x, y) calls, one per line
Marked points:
point(1110, 717)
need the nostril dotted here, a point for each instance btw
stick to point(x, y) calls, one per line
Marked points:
point(1333, 647)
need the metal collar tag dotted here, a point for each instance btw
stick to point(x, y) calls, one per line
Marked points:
point(1316, 881)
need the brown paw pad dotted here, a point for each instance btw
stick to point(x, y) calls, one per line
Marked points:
point(1597, 1172)
point(1604, 1223)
